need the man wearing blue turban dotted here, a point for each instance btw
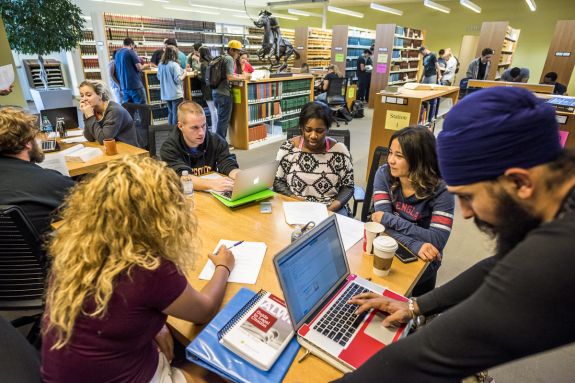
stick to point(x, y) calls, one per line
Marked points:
point(499, 153)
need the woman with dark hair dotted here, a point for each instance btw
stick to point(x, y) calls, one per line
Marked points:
point(171, 77)
point(205, 58)
point(313, 167)
point(412, 202)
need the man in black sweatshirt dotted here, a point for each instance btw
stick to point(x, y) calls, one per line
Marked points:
point(499, 153)
point(37, 191)
point(193, 148)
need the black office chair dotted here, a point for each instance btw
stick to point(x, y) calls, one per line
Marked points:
point(23, 268)
point(142, 116)
point(158, 134)
point(19, 361)
point(379, 158)
point(336, 91)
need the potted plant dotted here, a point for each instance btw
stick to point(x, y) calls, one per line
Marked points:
point(42, 27)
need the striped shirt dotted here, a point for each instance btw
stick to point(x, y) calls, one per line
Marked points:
point(413, 221)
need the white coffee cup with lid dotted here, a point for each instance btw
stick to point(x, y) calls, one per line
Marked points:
point(384, 248)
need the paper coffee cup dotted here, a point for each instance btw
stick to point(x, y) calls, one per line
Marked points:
point(384, 248)
point(370, 231)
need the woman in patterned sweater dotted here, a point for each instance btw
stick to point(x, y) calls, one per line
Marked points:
point(313, 167)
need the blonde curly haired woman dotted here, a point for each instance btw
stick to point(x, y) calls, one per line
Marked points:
point(118, 272)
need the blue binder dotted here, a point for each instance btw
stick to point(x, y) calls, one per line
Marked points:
point(206, 350)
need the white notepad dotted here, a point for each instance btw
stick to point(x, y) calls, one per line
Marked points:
point(351, 230)
point(249, 257)
point(300, 213)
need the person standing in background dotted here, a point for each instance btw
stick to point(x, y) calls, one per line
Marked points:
point(205, 58)
point(448, 76)
point(516, 74)
point(246, 66)
point(182, 59)
point(171, 77)
point(194, 57)
point(128, 68)
point(431, 68)
point(364, 68)
point(115, 83)
point(222, 95)
point(478, 69)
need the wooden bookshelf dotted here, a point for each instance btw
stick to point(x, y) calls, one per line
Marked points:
point(502, 38)
point(395, 111)
point(348, 43)
point(396, 58)
point(264, 109)
point(314, 45)
point(89, 56)
point(561, 55)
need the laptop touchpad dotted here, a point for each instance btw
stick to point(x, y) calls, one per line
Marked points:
point(378, 331)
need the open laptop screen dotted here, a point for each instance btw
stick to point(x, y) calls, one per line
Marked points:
point(311, 268)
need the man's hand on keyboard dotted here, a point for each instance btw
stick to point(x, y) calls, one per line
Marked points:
point(222, 184)
point(399, 311)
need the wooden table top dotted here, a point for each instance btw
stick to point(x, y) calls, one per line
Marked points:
point(215, 222)
point(95, 164)
point(442, 90)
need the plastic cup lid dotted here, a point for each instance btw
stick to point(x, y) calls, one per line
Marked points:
point(385, 243)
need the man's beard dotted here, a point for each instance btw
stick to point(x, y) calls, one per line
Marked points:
point(36, 153)
point(514, 223)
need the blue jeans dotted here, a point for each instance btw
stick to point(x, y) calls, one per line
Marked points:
point(173, 110)
point(136, 96)
point(322, 97)
point(429, 79)
point(224, 106)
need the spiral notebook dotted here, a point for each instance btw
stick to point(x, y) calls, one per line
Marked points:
point(208, 352)
point(260, 331)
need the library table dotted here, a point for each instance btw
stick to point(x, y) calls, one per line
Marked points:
point(215, 222)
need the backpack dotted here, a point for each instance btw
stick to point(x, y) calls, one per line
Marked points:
point(357, 109)
point(456, 66)
point(216, 72)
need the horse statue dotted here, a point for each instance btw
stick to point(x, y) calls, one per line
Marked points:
point(274, 45)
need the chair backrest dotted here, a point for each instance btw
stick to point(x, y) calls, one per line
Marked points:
point(158, 134)
point(23, 264)
point(19, 362)
point(142, 116)
point(379, 158)
point(336, 91)
point(340, 135)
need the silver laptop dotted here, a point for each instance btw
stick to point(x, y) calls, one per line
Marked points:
point(317, 284)
point(251, 181)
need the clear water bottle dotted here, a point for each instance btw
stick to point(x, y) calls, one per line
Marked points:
point(187, 184)
point(46, 125)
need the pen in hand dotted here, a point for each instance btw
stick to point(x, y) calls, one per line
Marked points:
point(230, 247)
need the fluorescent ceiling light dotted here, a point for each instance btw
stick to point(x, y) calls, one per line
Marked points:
point(287, 17)
point(182, 9)
point(162, 1)
point(344, 11)
point(383, 8)
point(437, 7)
point(191, 4)
point(135, 3)
point(474, 7)
point(531, 4)
point(303, 13)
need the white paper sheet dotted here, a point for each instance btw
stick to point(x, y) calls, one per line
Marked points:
point(55, 161)
point(72, 140)
point(351, 230)
point(249, 257)
point(300, 213)
point(74, 133)
point(6, 76)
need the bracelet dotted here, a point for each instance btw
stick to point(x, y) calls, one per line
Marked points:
point(227, 268)
point(411, 307)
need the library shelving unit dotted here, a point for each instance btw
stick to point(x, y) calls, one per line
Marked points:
point(502, 38)
point(561, 56)
point(289, 35)
point(396, 58)
point(314, 46)
point(264, 109)
point(348, 43)
point(89, 56)
point(152, 86)
point(53, 70)
point(395, 111)
point(254, 38)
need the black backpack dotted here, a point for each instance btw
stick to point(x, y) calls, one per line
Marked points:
point(216, 72)
point(357, 109)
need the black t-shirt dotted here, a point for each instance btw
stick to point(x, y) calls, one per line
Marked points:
point(481, 70)
point(39, 192)
point(365, 61)
point(157, 56)
point(559, 89)
point(429, 62)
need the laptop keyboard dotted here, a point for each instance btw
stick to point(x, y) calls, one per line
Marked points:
point(227, 194)
point(49, 145)
point(340, 321)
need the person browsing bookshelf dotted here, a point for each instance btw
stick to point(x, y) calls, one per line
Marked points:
point(412, 202)
point(205, 58)
point(193, 148)
point(171, 77)
point(312, 166)
point(104, 118)
point(118, 273)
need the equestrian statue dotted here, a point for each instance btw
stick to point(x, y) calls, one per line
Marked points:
point(274, 46)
